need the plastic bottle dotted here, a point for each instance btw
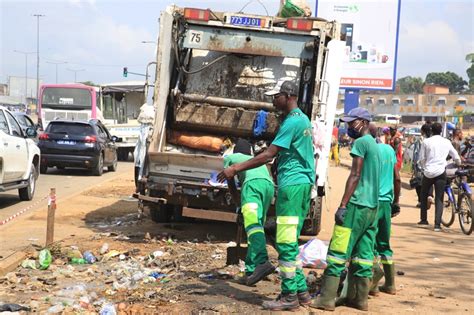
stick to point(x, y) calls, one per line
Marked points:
point(108, 309)
point(44, 259)
point(78, 261)
point(89, 257)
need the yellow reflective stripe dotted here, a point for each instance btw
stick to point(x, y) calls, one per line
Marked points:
point(360, 261)
point(340, 239)
point(287, 220)
point(387, 261)
point(254, 230)
point(250, 213)
point(335, 260)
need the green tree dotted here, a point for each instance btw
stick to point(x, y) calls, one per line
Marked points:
point(455, 83)
point(89, 83)
point(410, 85)
point(470, 71)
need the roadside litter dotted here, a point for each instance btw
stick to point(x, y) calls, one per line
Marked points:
point(313, 254)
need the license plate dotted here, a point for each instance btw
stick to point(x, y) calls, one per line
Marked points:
point(246, 21)
point(67, 142)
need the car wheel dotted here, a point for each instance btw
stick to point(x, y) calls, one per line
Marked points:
point(113, 167)
point(28, 192)
point(43, 169)
point(99, 168)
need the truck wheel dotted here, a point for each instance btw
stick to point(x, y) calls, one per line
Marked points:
point(312, 224)
point(99, 168)
point(159, 213)
point(43, 169)
point(122, 154)
point(28, 192)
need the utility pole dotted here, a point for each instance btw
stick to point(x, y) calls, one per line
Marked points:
point(56, 63)
point(26, 53)
point(37, 57)
point(75, 73)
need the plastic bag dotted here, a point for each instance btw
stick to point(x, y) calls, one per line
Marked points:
point(294, 8)
point(45, 259)
point(313, 254)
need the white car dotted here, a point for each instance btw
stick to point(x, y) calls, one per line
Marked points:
point(19, 156)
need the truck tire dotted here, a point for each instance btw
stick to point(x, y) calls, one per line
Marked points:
point(27, 193)
point(159, 213)
point(122, 154)
point(312, 224)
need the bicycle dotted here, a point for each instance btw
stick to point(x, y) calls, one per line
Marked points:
point(462, 206)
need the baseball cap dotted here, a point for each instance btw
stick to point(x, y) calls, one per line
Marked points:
point(356, 113)
point(287, 86)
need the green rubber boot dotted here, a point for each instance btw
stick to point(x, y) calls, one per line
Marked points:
point(389, 285)
point(349, 293)
point(377, 274)
point(361, 302)
point(327, 299)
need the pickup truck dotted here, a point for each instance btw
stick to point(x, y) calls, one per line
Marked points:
point(213, 69)
point(19, 157)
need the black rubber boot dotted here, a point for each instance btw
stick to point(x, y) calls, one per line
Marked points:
point(284, 302)
point(360, 301)
point(304, 298)
point(327, 299)
point(389, 285)
point(260, 272)
point(377, 274)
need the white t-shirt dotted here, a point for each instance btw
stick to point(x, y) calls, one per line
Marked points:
point(433, 154)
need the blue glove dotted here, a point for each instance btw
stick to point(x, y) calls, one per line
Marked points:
point(340, 215)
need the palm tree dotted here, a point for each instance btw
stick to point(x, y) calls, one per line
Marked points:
point(470, 57)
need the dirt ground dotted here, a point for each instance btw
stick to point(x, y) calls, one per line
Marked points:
point(436, 271)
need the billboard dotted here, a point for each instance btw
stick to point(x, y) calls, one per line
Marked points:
point(370, 30)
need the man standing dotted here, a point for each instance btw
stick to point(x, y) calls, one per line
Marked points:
point(296, 175)
point(389, 195)
point(334, 153)
point(433, 154)
point(257, 192)
point(354, 232)
point(396, 143)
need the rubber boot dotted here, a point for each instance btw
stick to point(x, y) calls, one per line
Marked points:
point(389, 285)
point(377, 274)
point(327, 299)
point(284, 302)
point(360, 301)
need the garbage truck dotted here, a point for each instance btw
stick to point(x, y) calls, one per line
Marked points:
point(212, 70)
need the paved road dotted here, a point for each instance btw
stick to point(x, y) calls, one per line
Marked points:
point(67, 183)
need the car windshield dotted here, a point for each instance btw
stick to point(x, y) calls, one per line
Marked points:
point(70, 129)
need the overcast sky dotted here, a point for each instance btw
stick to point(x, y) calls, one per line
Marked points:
point(102, 36)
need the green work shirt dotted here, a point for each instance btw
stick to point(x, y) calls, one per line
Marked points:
point(367, 190)
point(245, 176)
point(388, 160)
point(296, 156)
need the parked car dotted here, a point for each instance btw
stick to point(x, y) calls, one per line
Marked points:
point(83, 144)
point(19, 156)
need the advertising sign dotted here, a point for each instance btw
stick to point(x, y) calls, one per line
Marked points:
point(370, 30)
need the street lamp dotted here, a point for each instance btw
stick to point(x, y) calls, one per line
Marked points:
point(26, 53)
point(37, 56)
point(56, 63)
point(75, 73)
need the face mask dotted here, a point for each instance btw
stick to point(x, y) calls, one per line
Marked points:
point(354, 132)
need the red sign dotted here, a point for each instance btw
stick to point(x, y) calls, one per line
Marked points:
point(367, 82)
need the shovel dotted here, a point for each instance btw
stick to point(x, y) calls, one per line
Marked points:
point(237, 253)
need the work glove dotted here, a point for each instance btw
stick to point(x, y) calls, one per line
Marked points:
point(395, 209)
point(340, 215)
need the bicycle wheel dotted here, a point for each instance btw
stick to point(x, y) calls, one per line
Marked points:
point(447, 219)
point(465, 214)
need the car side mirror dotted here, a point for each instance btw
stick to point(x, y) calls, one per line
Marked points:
point(116, 139)
point(31, 132)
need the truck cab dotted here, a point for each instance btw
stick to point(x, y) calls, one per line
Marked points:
point(213, 69)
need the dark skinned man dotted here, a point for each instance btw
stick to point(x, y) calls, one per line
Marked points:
point(389, 196)
point(396, 143)
point(296, 175)
point(356, 226)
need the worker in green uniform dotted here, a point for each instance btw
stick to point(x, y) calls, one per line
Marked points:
point(354, 232)
point(293, 147)
point(389, 196)
point(257, 191)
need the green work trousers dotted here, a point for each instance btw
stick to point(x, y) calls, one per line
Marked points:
point(292, 207)
point(354, 240)
point(382, 238)
point(256, 197)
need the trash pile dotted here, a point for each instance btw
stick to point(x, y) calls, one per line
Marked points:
point(109, 279)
